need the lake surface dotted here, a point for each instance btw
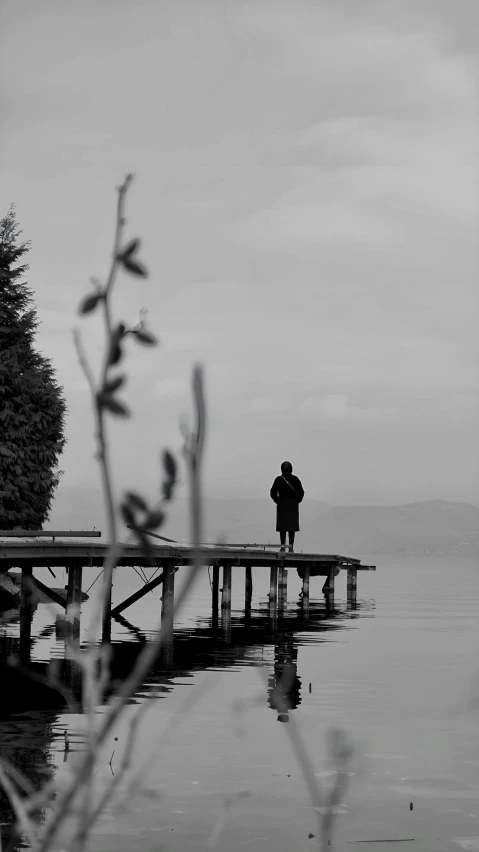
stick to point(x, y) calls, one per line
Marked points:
point(400, 675)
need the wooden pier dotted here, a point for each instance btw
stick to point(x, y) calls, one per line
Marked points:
point(27, 550)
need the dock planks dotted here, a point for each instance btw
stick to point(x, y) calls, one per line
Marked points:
point(92, 554)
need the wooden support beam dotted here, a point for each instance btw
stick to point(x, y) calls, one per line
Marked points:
point(136, 596)
point(69, 600)
point(49, 593)
point(305, 597)
point(106, 617)
point(273, 585)
point(26, 612)
point(76, 610)
point(352, 586)
point(167, 612)
point(168, 596)
point(282, 586)
point(248, 587)
point(273, 597)
point(215, 594)
point(73, 604)
point(226, 590)
point(328, 588)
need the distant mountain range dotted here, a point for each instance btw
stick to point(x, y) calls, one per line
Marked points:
point(430, 528)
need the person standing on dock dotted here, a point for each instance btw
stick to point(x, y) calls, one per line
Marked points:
point(287, 492)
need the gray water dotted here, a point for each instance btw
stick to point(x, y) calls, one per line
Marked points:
point(399, 675)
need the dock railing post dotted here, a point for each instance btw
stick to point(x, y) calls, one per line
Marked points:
point(26, 612)
point(167, 611)
point(352, 587)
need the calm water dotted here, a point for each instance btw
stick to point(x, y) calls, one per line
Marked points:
point(400, 675)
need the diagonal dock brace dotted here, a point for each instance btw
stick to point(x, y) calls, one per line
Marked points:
point(138, 595)
point(50, 593)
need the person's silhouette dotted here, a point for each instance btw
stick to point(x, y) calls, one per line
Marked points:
point(287, 492)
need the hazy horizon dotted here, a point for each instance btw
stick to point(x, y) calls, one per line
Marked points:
point(182, 495)
point(306, 192)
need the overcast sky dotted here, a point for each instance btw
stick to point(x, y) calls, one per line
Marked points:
point(306, 191)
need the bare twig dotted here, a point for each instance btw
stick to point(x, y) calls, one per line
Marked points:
point(18, 805)
point(194, 453)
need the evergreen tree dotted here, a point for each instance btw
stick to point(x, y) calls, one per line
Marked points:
point(32, 405)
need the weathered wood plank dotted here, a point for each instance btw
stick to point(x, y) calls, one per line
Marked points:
point(49, 533)
point(12, 553)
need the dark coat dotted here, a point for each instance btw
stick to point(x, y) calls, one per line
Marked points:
point(287, 498)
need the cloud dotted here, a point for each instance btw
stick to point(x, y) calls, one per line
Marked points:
point(267, 404)
point(338, 407)
point(306, 196)
point(387, 156)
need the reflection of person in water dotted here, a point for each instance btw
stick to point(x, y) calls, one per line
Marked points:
point(284, 687)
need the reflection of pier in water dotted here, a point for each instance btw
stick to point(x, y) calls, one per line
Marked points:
point(257, 637)
point(28, 727)
point(211, 644)
point(220, 642)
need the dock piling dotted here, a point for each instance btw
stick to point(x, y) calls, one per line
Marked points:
point(167, 611)
point(226, 603)
point(226, 590)
point(352, 587)
point(73, 604)
point(328, 588)
point(26, 612)
point(106, 626)
point(305, 598)
point(273, 596)
point(282, 586)
point(248, 588)
point(215, 594)
point(273, 586)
